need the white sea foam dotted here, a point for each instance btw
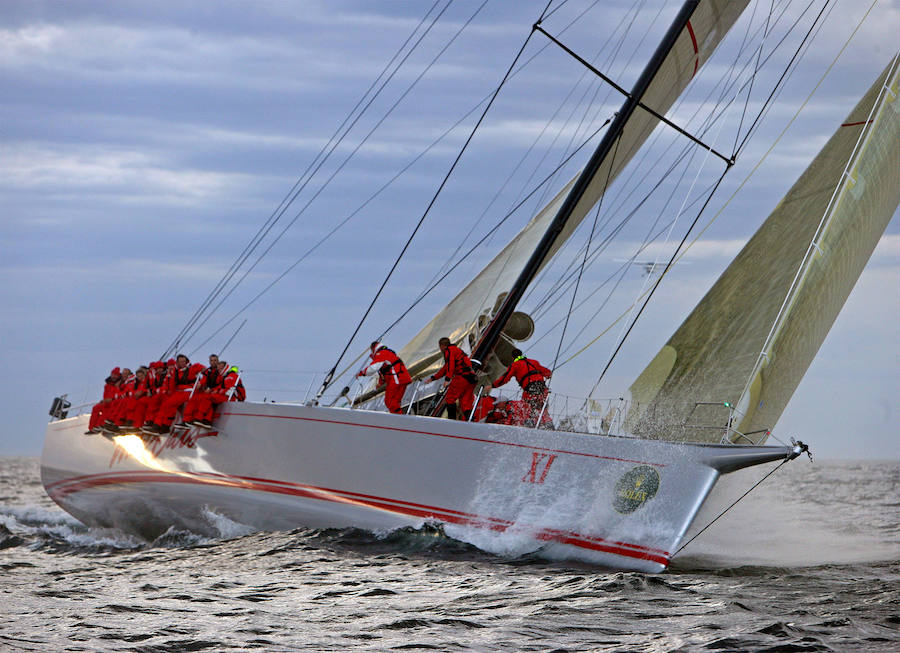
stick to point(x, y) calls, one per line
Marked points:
point(227, 528)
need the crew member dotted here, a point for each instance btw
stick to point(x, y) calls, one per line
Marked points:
point(530, 374)
point(136, 409)
point(211, 374)
point(134, 387)
point(116, 409)
point(161, 382)
point(109, 393)
point(392, 373)
point(460, 379)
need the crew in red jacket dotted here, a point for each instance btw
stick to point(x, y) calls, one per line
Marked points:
point(200, 410)
point(530, 374)
point(131, 414)
point(181, 385)
point(160, 373)
point(109, 393)
point(460, 383)
point(211, 375)
point(392, 373)
point(116, 410)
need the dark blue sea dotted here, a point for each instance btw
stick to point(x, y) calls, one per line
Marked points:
point(810, 561)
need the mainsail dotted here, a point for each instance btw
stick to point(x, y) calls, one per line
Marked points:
point(739, 356)
point(471, 309)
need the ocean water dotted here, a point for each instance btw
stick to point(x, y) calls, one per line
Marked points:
point(810, 561)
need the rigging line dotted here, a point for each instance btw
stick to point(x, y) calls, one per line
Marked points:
point(622, 269)
point(233, 336)
point(712, 121)
point(671, 259)
point(338, 169)
point(646, 150)
point(426, 292)
point(756, 167)
point(649, 110)
point(492, 230)
point(330, 374)
point(625, 26)
point(586, 250)
point(658, 281)
point(542, 201)
point(566, 276)
point(755, 485)
point(383, 187)
point(287, 200)
point(759, 51)
point(524, 157)
point(647, 237)
point(781, 78)
point(542, 275)
point(620, 273)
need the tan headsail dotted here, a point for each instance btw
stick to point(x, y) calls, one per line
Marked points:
point(752, 337)
point(471, 308)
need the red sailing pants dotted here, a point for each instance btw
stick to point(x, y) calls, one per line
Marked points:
point(170, 405)
point(462, 390)
point(97, 416)
point(393, 395)
point(203, 405)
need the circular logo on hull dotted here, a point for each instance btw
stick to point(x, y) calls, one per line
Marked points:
point(635, 488)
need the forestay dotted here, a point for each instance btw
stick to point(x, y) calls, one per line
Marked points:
point(752, 331)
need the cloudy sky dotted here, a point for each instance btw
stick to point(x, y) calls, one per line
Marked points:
point(144, 144)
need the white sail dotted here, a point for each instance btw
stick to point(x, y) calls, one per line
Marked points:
point(709, 23)
point(741, 353)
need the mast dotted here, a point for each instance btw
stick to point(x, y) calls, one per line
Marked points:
point(529, 271)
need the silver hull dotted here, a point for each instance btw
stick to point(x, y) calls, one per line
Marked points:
point(619, 502)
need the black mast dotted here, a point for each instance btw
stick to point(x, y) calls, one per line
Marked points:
point(492, 333)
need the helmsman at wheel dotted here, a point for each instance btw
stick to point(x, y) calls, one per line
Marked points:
point(392, 373)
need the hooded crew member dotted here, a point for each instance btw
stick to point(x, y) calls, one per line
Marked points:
point(392, 373)
point(460, 381)
point(109, 393)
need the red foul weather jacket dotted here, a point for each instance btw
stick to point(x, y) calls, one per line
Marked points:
point(456, 363)
point(526, 370)
point(389, 366)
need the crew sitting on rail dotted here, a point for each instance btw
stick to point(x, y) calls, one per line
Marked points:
point(460, 380)
point(112, 411)
point(392, 374)
point(200, 408)
point(109, 393)
point(180, 384)
point(134, 391)
point(211, 374)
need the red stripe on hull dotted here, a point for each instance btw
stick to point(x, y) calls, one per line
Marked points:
point(61, 489)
